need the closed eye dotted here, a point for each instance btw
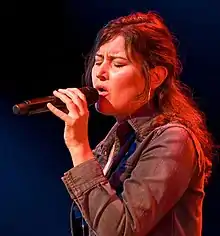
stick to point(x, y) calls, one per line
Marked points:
point(98, 63)
point(118, 65)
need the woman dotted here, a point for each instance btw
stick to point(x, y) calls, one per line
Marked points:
point(147, 176)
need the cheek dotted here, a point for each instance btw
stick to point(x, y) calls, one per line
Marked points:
point(123, 92)
point(126, 92)
point(128, 85)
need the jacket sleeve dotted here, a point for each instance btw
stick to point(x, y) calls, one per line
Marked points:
point(157, 182)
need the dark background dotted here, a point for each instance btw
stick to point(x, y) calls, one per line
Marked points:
point(42, 48)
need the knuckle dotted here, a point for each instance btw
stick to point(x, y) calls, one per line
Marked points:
point(85, 113)
point(83, 97)
point(71, 122)
point(70, 103)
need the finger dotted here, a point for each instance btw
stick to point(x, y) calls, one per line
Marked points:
point(72, 93)
point(81, 95)
point(78, 92)
point(73, 109)
point(62, 115)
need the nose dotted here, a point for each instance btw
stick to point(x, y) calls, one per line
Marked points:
point(102, 72)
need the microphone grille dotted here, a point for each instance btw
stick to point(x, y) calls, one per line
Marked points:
point(91, 94)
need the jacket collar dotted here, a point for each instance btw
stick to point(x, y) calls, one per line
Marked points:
point(140, 120)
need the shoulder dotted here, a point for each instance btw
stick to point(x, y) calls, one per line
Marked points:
point(174, 140)
point(176, 131)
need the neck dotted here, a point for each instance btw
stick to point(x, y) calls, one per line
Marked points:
point(145, 109)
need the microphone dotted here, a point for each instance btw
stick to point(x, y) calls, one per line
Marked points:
point(39, 105)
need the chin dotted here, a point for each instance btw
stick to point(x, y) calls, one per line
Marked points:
point(108, 110)
point(104, 109)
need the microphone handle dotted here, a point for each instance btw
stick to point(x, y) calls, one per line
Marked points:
point(37, 105)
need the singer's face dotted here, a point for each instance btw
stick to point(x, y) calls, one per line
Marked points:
point(121, 79)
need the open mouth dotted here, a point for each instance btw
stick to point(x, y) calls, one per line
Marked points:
point(102, 91)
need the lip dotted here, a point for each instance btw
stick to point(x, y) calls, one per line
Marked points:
point(103, 93)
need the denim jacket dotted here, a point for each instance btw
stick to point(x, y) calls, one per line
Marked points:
point(156, 187)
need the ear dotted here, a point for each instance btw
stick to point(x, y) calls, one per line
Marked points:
point(158, 75)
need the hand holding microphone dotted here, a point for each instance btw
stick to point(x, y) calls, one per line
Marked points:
point(76, 120)
point(76, 123)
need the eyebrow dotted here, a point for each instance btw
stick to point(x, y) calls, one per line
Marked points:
point(111, 56)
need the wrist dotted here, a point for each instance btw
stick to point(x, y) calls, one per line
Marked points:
point(80, 154)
